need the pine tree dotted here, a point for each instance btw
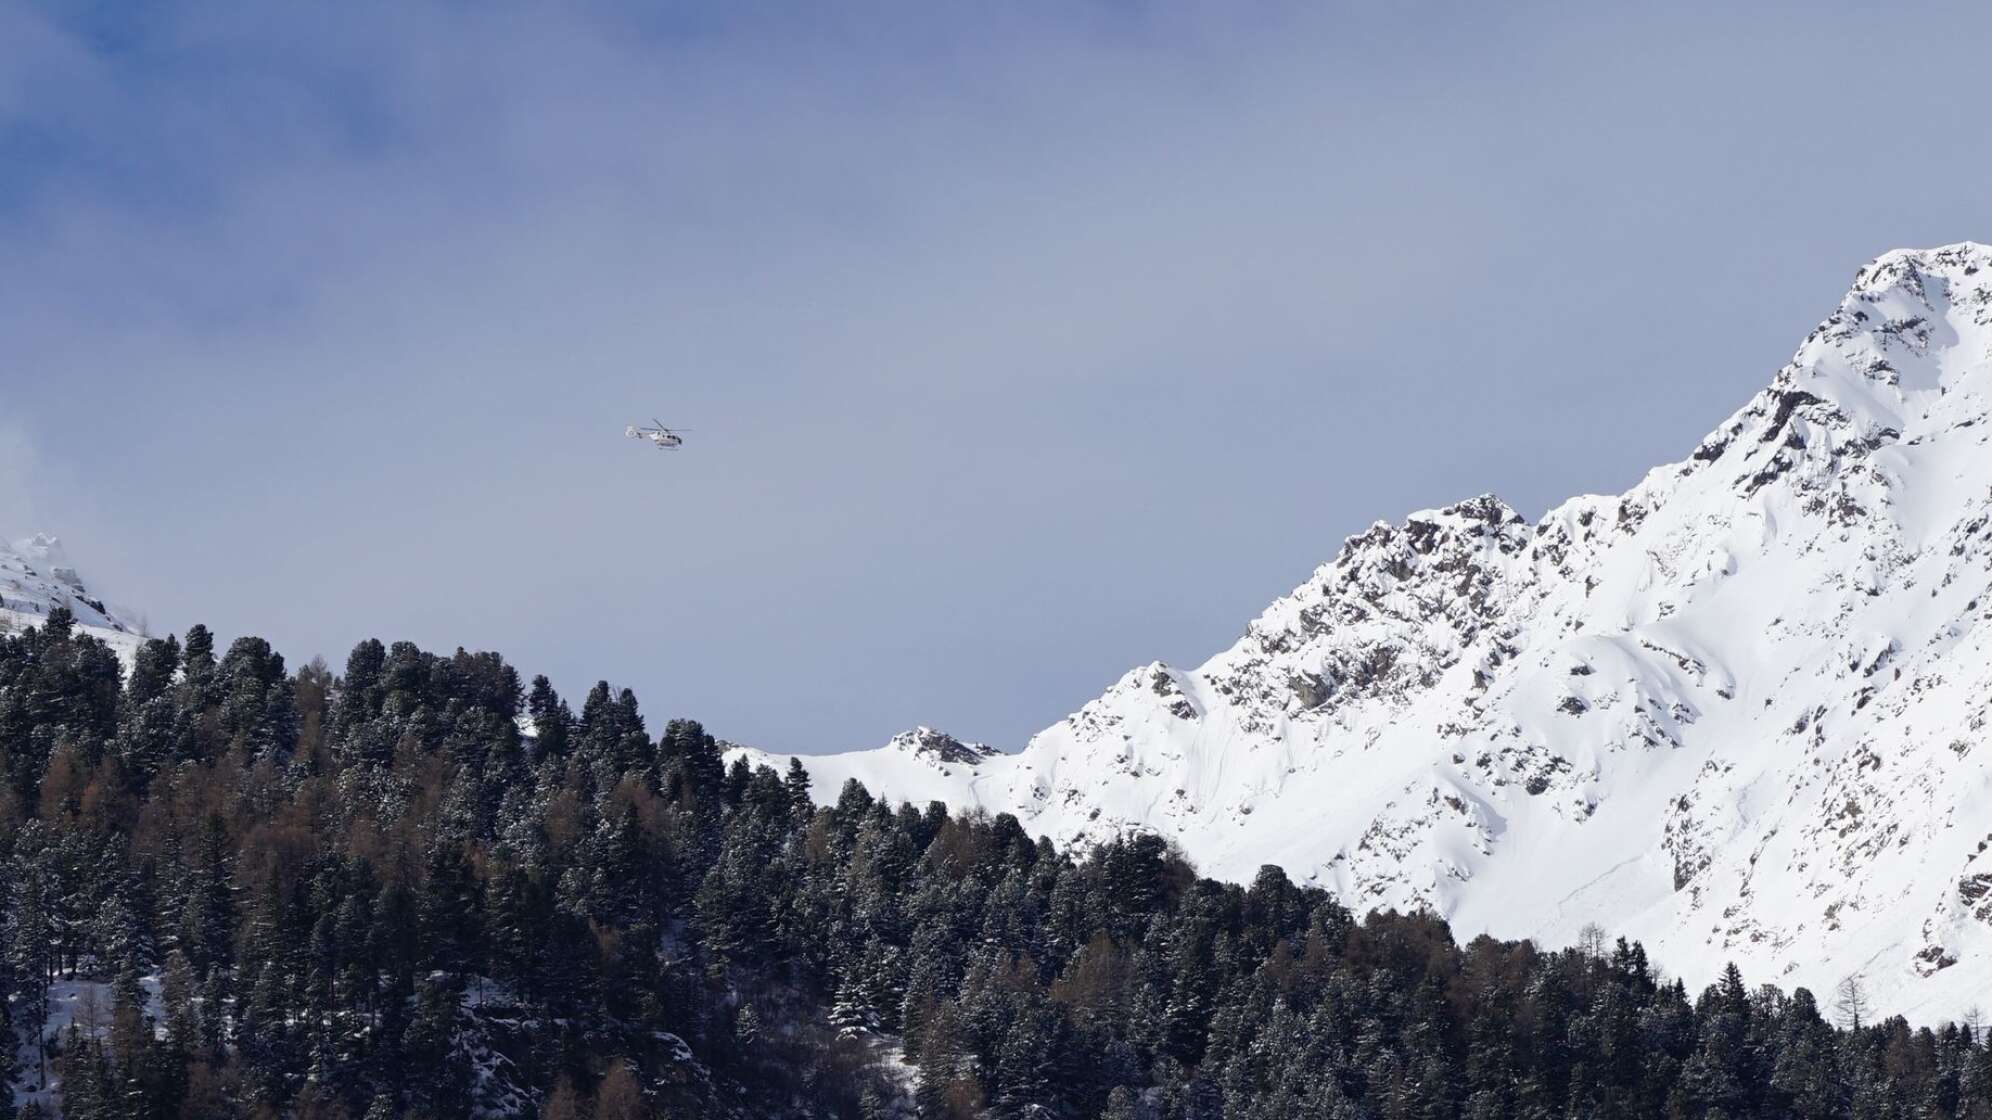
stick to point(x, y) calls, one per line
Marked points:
point(207, 918)
point(796, 782)
point(152, 670)
point(449, 911)
point(31, 957)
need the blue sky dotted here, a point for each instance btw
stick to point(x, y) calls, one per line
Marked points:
point(1021, 344)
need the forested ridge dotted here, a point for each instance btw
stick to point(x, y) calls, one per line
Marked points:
point(240, 890)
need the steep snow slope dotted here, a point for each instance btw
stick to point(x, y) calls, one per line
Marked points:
point(36, 576)
point(1738, 711)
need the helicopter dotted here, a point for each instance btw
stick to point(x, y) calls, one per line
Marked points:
point(665, 438)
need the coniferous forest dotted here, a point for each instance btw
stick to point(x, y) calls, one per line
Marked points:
point(423, 887)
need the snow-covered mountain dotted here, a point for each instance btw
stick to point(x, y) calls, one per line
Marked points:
point(1739, 712)
point(37, 576)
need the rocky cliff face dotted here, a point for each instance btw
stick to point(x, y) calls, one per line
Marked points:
point(1739, 711)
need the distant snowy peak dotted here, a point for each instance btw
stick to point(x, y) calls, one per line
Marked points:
point(36, 575)
point(939, 747)
point(920, 765)
point(1739, 711)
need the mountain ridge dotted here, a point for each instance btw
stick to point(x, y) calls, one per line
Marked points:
point(1729, 711)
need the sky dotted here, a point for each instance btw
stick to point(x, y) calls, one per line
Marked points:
point(1019, 344)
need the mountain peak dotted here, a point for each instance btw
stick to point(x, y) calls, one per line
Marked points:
point(1897, 267)
point(36, 576)
point(939, 746)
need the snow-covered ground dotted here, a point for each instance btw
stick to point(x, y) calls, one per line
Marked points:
point(1738, 712)
point(87, 1004)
